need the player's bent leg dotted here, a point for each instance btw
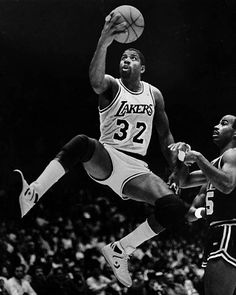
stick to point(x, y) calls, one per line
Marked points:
point(78, 150)
point(219, 278)
point(170, 210)
point(118, 260)
point(146, 188)
point(100, 165)
point(82, 149)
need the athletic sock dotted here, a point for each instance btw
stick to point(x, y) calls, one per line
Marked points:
point(51, 174)
point(141, 234)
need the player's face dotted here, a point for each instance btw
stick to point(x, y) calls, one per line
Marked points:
point(224, 131)
point(130, 64)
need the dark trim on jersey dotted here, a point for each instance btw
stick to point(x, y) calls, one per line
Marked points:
point(132, 92)
point(226, 236)
point(222, 251)
point(223, 222)
point(223, 255)
point(152, 95)
point(112, 102)
point(134, 155)
point(219, 159)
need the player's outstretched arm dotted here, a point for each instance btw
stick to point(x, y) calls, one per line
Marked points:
point(99, 81)
point(223, 179)
point(185, 178)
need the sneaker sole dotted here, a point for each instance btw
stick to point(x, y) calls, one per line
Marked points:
point(20, 197)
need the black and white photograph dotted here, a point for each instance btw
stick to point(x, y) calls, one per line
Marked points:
point(117, 147)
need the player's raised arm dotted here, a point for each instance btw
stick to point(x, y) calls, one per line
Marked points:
point(100, 82)
point(161, 124)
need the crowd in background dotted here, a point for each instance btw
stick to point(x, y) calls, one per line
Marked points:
point(57, 251)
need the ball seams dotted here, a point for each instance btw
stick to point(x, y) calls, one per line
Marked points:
point(130, 24)
point(134, 23)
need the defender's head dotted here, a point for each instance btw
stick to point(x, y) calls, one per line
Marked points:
point(225, 131)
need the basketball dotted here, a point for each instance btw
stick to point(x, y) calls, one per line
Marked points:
point(135, 23)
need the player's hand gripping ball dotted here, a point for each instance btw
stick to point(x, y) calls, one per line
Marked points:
point(134, 20)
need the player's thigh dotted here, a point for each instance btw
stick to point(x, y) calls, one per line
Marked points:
point(100, 165)
point(146, 188)
point(219, 278)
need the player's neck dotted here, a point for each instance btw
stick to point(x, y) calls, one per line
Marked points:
point(230, 145)
point(134, 86)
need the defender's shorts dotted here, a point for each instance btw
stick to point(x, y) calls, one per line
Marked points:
point(125, 168)
point(221, 241)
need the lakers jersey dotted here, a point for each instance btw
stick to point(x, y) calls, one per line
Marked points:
point(126, 123)
point(219, 206)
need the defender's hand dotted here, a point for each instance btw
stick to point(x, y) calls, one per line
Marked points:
point(190, 157)
point(182, 148)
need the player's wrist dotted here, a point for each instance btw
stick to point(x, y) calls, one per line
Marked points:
point(199, 212)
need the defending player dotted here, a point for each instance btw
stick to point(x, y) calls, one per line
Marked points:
point(216, 202)
point(128, 109)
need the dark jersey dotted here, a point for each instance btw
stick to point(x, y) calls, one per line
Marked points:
point(219, 206)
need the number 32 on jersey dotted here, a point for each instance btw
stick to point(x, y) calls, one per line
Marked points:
point(124, 129)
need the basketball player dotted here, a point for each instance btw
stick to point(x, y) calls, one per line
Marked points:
point(216, 202)
point(128, 109)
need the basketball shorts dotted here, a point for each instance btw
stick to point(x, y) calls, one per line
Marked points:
point(220, 242)
point(125, 168)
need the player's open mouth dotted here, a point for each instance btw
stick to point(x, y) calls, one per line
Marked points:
point(215, 133)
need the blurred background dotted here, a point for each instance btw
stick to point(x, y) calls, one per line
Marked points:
point(45, 97)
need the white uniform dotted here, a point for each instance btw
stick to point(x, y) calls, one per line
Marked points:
point(126, 126)
point(126, 123)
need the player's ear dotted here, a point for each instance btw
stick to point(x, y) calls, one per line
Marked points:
point(234, 135)
point(142, 69)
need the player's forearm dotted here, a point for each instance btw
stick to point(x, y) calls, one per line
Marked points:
point(97, 68)
point(193, 179)
point(217, 177)
point(170, 157)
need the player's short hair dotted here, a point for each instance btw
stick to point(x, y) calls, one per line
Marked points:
point(141, 56)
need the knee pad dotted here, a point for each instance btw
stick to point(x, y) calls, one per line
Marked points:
point(170, 211)
point(78, 149)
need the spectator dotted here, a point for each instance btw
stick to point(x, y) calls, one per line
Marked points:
point(59, 282)
point(97, 283)
point(17, 284)
point(3, 286)
point(78, 285)
point(172, 287)
point(39, 281)
point(138, 287)
point(181, 278)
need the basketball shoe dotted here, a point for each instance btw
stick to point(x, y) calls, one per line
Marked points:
point(28, 197)
point(118, 260)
